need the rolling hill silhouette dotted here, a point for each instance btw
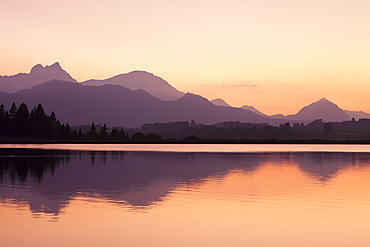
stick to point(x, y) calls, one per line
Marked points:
point(134, 80)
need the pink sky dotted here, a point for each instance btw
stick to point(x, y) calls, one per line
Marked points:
point(275, 55)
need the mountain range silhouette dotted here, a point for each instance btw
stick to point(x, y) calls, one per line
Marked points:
point(139, 97)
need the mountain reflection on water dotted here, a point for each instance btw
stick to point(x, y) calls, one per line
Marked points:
point(48, 180)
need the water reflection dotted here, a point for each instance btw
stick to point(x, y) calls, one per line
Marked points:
point(49, 180)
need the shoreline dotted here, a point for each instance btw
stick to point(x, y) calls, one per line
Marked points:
point(268, 141)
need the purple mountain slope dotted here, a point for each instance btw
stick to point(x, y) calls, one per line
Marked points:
point(38, 75)
point(322, 109)
point(134, 80)
point(114, 105)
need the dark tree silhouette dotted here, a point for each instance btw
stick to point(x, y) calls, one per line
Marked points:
point(103, 133)
point(21, 121)
point(152, 137)
point(12, 111)
point(138, 136)
point(80, 135)
point(122, 134)
point(41, 124)
point(92, 134)
point(328, 128)
point(114, 134)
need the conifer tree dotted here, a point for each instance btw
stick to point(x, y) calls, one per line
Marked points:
point(12, 111)
point(121, 134)
point(114, 134)
point(80, 135)
point(103, 132)
point(92, 135)
point(21, 123)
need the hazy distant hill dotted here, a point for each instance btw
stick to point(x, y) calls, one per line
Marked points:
point(119, 106)
point(38, 75)
point(220, 102)
point(357, 114)
point(252, 109)
point(279, 116)
point(322, 109)
point(134, 80)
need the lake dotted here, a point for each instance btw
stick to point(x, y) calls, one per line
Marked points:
point(184, 195)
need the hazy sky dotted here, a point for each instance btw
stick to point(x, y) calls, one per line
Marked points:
point(276, 55)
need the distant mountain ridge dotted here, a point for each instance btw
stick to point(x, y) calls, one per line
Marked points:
point(115, 105)
point(321, 109)
point(135, 80)
point(357, 114)
point(221, 102)
point(38, 74)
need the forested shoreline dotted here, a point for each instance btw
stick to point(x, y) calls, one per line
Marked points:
point(20, 125)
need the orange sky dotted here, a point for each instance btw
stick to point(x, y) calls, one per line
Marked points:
point(275, 55)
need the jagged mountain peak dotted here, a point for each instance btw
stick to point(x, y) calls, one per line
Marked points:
point(38, 74)
point(36, 68)
point(55, 67)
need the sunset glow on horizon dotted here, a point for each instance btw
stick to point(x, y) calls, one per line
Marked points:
point(277, 56)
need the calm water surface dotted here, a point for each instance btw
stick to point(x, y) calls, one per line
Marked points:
point(90, 195)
